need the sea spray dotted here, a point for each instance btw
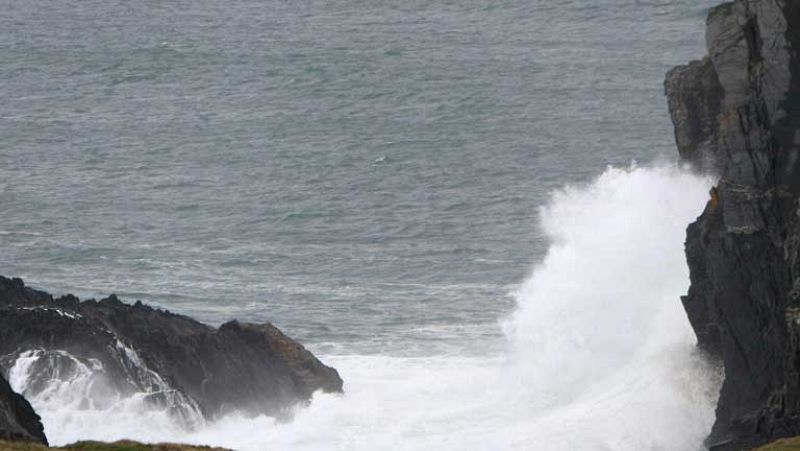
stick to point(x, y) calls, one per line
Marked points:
point(600, 355)
point(76, 396)
point(599, 342)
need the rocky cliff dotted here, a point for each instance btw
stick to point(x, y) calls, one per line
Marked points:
point(192, 370)
point(18, 421)
point(737, 115)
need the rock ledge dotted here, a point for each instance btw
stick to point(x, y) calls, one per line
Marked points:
point(195, 371)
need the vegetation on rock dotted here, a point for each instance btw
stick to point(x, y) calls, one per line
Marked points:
point(786, 444)
point(123, 445)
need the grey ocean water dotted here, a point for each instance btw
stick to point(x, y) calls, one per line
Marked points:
point(364, 174)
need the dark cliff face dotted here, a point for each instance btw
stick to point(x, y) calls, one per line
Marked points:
point(194, 370)
point(18, 421)
point(737, 115)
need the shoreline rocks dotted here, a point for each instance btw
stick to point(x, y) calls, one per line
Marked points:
point(194, 371)
point(18, 420)
point(737, 115)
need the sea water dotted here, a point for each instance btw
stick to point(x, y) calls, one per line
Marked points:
point(419, 192)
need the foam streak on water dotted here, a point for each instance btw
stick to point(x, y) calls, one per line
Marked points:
point(600, 355)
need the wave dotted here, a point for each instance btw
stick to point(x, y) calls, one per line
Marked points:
point(599, 354)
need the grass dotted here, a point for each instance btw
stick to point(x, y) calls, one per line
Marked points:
point(123, 445)
point(786, 444)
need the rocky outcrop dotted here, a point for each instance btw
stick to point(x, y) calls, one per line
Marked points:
point(18, 421)
point(737, 115)
point(194, 370)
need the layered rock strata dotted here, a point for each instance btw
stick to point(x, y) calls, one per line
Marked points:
point(737, 115)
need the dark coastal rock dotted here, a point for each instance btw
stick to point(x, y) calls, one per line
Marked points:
point(194, 370)
point(737, 115)
point(695, 99)
point(18, 421)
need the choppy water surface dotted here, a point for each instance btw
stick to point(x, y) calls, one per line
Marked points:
point(365, 175)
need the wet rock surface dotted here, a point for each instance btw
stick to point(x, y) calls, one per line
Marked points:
point(737, 115)
point(18, 421)
point(195, 371)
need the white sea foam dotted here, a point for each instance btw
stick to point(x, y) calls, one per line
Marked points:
point(601, 356)
point(73, 394)
point(60, 312)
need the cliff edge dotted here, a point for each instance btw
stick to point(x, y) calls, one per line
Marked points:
point(737, 115)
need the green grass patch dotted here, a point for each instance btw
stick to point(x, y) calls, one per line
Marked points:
point(786, 444)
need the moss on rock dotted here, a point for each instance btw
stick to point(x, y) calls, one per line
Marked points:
point(122, 445)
